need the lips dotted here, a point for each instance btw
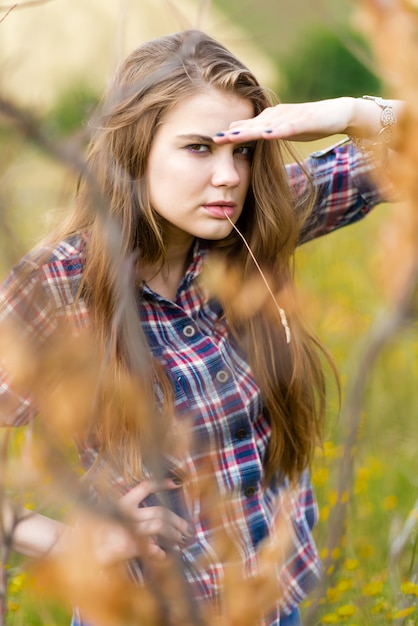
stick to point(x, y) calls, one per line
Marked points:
point(220, 210)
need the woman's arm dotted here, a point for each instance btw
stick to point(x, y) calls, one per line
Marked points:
point(308, 121)
point(35, 535)
point(348, 181)
point(347, 187)
point(134, 534)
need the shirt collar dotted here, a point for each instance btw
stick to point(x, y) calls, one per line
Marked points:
point(199, 253)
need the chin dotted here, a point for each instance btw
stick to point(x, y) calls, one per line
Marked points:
point(216, 235)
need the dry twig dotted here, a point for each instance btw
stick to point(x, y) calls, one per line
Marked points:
point(24, 5)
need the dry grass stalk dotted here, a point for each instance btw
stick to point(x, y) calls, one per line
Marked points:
point(63, 377)
point(392, 29)
point(75, 576)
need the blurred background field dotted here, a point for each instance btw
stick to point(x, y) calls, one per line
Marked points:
point(60, 54)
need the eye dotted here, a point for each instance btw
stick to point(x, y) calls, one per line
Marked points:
point(198, 148)
point(246, 151)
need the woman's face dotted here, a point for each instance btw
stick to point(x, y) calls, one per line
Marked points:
point(194, 183)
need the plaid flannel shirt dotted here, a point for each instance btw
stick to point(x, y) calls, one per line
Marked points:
point(213, 384)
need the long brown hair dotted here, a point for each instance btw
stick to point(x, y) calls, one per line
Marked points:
point(152, 80)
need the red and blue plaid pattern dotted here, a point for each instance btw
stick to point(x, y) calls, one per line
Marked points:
point(215, 391)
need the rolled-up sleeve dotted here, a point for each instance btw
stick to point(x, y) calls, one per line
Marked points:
point(24, 319)
point(345, 182)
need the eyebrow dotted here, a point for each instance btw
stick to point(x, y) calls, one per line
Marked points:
point(206, 139)
point(196, 138)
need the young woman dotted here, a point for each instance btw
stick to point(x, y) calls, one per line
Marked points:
point(185, 174)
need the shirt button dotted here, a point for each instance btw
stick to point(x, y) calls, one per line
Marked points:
point(241, 433)
point(189, 331)
point(249, 491)
point(222, 376)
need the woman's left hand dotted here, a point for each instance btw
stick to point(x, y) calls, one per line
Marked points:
point(308, 121)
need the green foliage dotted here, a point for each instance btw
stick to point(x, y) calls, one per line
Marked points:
point(323, 67)
point(341, 281)
point(72, 108)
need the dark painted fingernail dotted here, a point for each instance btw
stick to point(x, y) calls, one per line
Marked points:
point(234, 132)
point(220, 135)
point(268, 130)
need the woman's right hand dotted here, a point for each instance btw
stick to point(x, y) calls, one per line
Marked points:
point(145, 530)
point(140, 532)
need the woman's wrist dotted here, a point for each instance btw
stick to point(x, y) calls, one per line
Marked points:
point(373, 121)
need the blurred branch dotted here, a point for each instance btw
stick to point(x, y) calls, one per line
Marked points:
point(387, 23)
point(6, 533)
point(10, 243)
point(202, 13)
point(31, 128)
point(383, 330)
point(9, 519)
point(5, 551)
point(8, 11)
point(126, 311)
point(182, 20)
point(23, 5)
point(401, 537)
point(341, 31)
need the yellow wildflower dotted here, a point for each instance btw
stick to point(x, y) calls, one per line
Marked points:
point(17, 583)
point(332, 498)
point(389, 503)
point(330, 618)
point(380, 606)
point(351, 564)
point(373, 588)
point(333, 594)
point(320, 477)
point(362, 481)
point(405, 612)
point(364, 549)
point(323, 553)
point(346, 610)
point(324, 513)
point(344, 497)
point(336, 554)
point(345, 584)
point(409, 588)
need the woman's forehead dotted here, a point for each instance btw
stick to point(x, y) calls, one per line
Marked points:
point(208, 111)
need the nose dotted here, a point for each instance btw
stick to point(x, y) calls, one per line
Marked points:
point(225, 172)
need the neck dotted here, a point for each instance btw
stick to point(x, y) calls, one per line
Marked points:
point(166, 280)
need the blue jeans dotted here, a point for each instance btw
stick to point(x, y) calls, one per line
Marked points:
point(291, 620)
